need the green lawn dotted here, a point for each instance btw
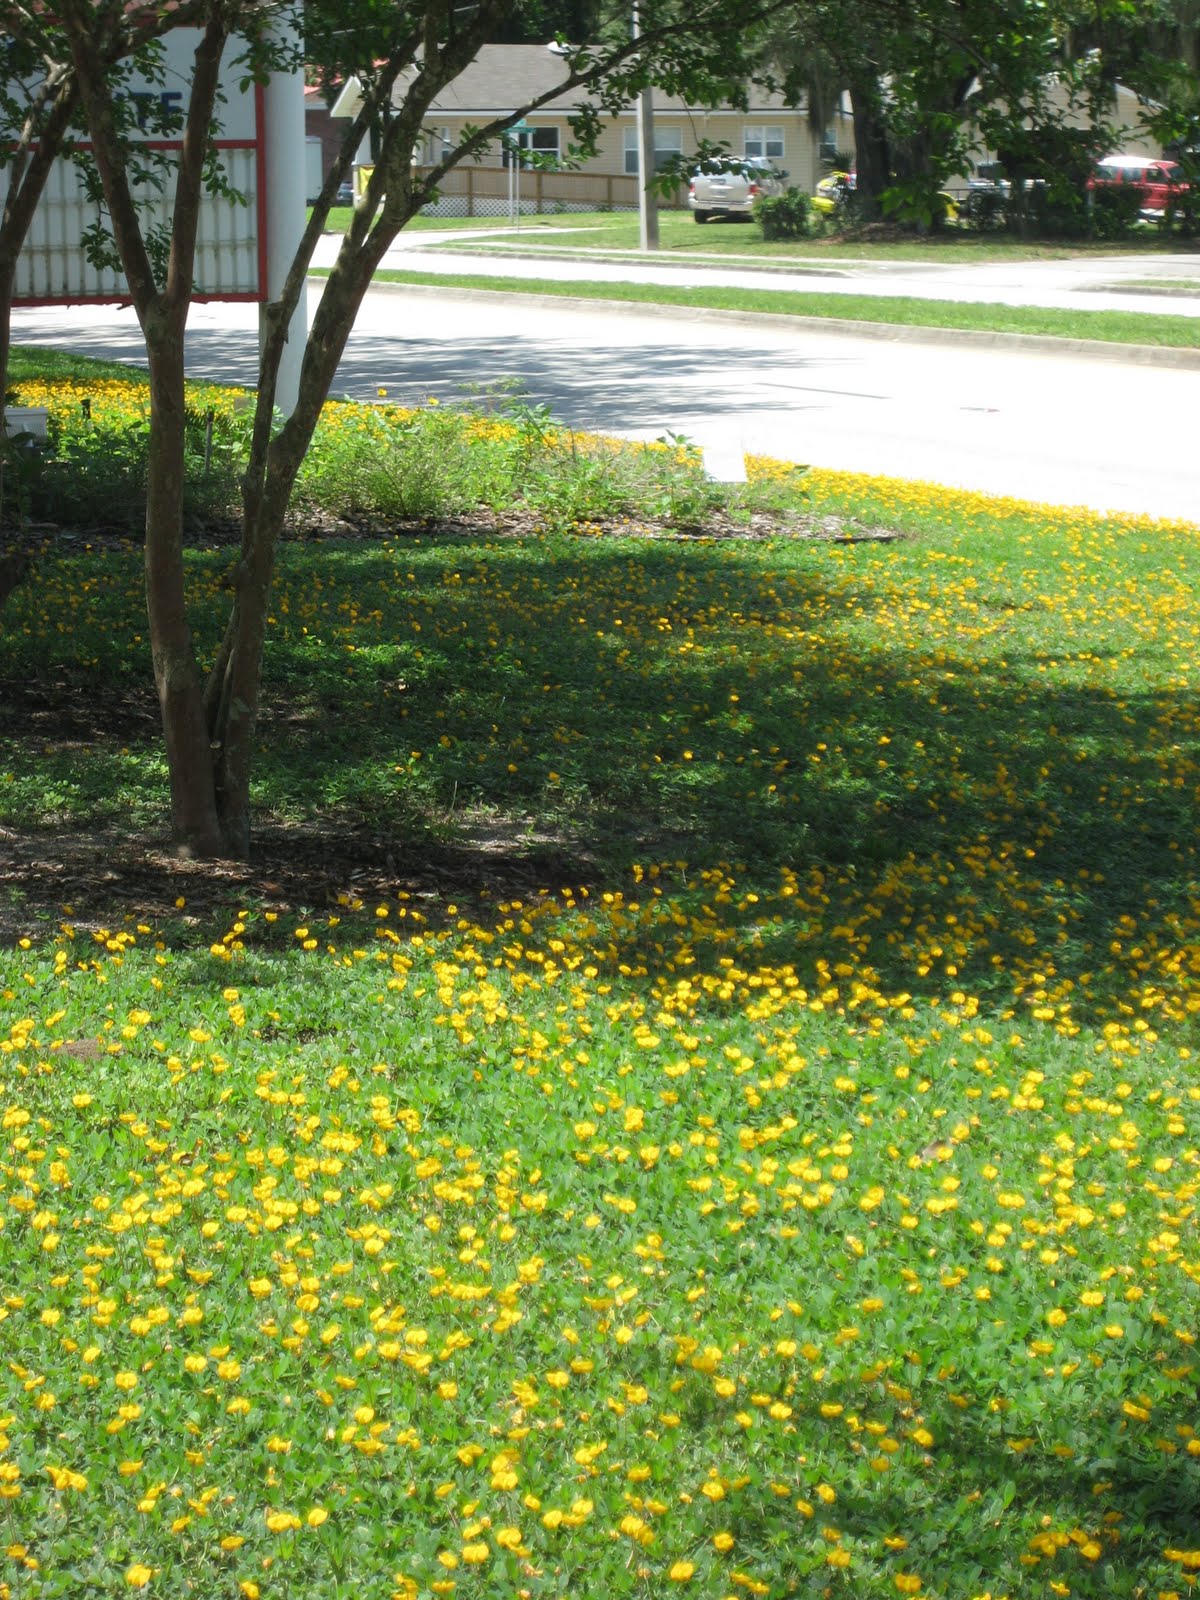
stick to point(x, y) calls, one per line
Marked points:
point(1107, 327)
point(790, 1190)
point(679, 235)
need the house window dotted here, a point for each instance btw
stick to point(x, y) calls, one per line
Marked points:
point(433, 146)
point(668, 143)
point(538, 141)
point(763, 144)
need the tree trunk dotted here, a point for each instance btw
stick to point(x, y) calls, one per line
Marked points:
point(29, 168)
point(8, 273)
point(233, 693)
point(194, 822)
point(872, 153)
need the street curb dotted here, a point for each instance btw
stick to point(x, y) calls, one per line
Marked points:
point(613, 258)
point(1145, 355)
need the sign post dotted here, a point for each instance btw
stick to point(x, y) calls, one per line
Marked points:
point(244, 246)
point(284, 209)
point(515, 158)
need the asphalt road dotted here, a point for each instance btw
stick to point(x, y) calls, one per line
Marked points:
point(1064, 430)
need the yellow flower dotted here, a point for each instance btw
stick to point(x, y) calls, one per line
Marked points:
point(681, 1571)
point(138, 1576)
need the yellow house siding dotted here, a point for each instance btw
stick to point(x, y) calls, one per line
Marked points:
point(799, 160)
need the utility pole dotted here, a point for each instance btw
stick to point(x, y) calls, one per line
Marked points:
point(647, 163)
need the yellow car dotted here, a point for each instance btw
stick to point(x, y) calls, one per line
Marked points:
point(835, 192)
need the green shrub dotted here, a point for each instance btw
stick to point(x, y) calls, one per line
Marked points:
point(93, 474)
point(413, 465)
point(984, 209)
point(1113, 212)
point(785, 216)
point(569, 478)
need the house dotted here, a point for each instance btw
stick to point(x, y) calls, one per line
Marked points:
point(323, 139)
point(504, 77)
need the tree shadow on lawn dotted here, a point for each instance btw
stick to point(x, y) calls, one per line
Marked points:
point(1017, 1455)
point(984, 1504)
point(461, 719)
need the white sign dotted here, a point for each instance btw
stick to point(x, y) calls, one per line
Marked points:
point(230, 255)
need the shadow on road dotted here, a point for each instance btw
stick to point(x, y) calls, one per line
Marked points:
point(610, 388)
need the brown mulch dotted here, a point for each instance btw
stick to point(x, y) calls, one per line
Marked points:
point(110, 878)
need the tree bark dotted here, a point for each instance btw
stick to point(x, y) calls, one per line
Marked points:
point(162, 312)
point(872, 153)
point(29, 167)
point(195, 825)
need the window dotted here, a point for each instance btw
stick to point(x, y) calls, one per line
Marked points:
point(668, 142)
point(433, 146)
point(763, 144)
point(539, 141)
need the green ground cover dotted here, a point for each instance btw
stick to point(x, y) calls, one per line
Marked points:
point(340, 218)
point(1107, 327)
point(792, 1192)
point(680, 235)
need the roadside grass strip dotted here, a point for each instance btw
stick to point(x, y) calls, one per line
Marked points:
point(798, 1199)
point(1108, 327)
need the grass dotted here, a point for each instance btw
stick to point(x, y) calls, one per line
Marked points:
point(1108, 327)
point(340, 218)
point(680, 235)
point(1164, 285)
point(40, 365)
point(798, 1198)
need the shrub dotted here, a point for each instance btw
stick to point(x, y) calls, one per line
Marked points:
point(380, 463)
point(984, 209)
point(92, 471)
point(785, 216)
point(1113, 212)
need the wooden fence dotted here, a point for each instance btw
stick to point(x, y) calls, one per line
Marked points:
point(470, 191)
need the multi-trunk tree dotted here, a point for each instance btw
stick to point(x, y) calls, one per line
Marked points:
point(918, 77)
point(404, 55)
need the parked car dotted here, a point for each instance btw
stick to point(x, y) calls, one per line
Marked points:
point(835, 193)
point(727, 187)
point(1160, 184)
point(989, 177)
